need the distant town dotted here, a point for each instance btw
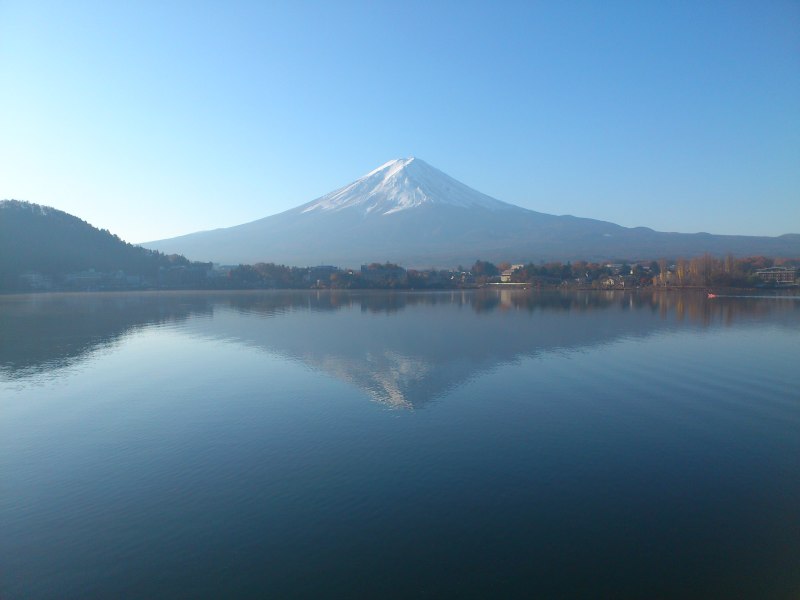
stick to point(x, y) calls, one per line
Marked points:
point(705, 271)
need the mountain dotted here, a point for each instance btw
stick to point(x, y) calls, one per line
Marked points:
point(52, 243)
point(409, 212)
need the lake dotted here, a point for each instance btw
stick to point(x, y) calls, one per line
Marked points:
point(494, 443)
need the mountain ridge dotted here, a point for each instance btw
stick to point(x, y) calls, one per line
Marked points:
point(409, 212)
point(51, 242)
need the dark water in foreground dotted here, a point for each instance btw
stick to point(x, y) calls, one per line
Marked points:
point(380, 445)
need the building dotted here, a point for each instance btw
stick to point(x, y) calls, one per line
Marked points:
point(84, 280)
point(507, 275)
point(36, 281)
point(321, 275)
point(777, 275)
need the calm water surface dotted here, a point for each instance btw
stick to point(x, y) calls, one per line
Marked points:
point(376, 445)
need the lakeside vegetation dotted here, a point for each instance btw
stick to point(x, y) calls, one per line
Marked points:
point(44, 249)
point(176, 272)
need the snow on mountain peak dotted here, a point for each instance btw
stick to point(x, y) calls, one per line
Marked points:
point(399, 185)
point(391, 167)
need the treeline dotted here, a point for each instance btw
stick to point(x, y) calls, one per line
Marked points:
point(579, 273)
point(706, 270)
point(709, 271)
point(554, 272)
point(372, 276)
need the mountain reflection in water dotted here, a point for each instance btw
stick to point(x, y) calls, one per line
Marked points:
point(230, 445)
point(376, 341)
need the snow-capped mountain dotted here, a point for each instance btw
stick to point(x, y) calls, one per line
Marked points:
point(409, 212)
point(402, 184)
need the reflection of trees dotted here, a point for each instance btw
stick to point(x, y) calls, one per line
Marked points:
point(695, 307)
point(274, 302)
point(42, 332)
point(481, 301)
point(49, 330)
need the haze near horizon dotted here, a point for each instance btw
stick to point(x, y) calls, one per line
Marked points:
point(154, 121)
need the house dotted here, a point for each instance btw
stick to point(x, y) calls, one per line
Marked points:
point(777, 275)
point(613, 282)
point(84, 280)
point(507, 275)
point(36, 281)
point(321, 274)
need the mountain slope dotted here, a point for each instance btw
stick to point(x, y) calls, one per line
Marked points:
point(407, 211)
point(52, 242)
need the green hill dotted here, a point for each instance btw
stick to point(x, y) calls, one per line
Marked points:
point(42, 244)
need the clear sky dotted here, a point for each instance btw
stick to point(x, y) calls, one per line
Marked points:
point(153, 119)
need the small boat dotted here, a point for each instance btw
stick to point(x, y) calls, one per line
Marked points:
point(710, 295)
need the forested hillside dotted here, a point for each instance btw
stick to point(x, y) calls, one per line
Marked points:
point(50, 242)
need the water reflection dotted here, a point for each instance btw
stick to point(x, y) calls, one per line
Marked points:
point(49, 331)
point(402, 349)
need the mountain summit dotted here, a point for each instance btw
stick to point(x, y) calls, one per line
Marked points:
point(402, 184)
point(409, 212)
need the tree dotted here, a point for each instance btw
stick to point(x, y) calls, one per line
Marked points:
point(484, 269)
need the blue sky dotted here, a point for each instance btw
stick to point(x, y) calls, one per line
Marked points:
point(154, 119)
